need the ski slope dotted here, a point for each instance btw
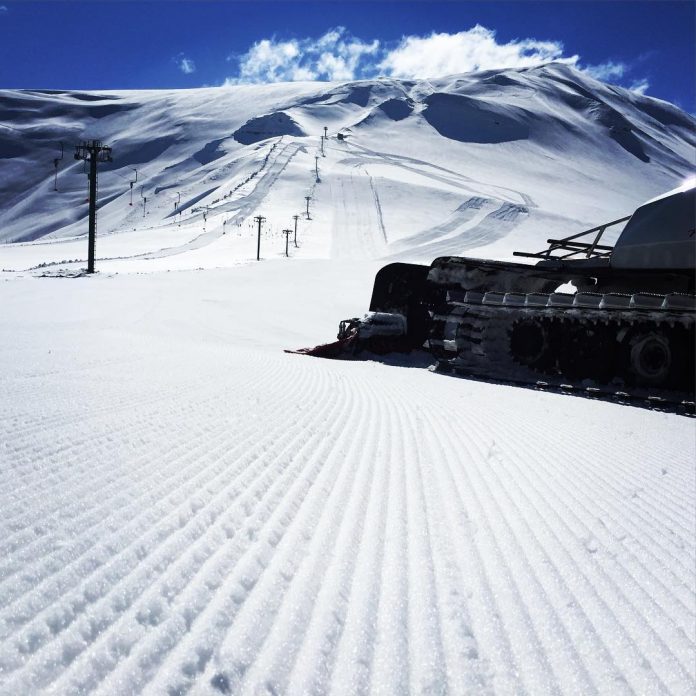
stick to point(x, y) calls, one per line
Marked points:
point(184, 508)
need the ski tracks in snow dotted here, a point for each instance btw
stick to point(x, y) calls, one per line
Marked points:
point(333, 535)
point(356, 214)
point(240, 207)
point(473, 224)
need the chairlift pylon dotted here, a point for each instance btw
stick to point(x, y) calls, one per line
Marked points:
point(56, 160)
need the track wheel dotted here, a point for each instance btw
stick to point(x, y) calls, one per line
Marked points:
point(650, 358)
point(529, 343)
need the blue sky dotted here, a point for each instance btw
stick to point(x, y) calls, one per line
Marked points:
point(646, 46)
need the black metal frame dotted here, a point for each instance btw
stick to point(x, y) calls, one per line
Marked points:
point(570, 244)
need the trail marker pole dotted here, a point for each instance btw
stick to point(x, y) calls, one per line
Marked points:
point(316, 165)
point(322, 146)
point(144, 199)
point(92, 152)
point(287, 234)
point(131, 185)
point(295, 218)
point(55, 164)
point(307, 199)
point(260, 219)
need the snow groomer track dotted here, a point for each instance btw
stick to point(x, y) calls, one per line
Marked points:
point(480, 337)
point(267, 523)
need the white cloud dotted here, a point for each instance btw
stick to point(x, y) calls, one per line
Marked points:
point(607, 71)
point(338, 55)
point(640, 86)
point(271, 61)
point(3, 8)
point(465, 51)
point(617, 72)
point(186, 65)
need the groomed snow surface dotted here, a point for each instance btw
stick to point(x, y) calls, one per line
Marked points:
point(185, 508)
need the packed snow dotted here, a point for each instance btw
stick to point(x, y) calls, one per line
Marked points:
point(185, 508)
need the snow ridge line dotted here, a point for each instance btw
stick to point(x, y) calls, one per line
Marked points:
point(581, 671)
point(60, 627)
point(29, 432)
point(202, 477)
point(48, 482)
point(605, 611)
point(627, 586)
point(426, 650)
point(663, 505)
point(623, 521)
point(290, 611)
point(351, 542)
point(389, 669)
point(81, 520)
point(242, 572)
point(621, 590)
point(287, 574)
point(352, 663)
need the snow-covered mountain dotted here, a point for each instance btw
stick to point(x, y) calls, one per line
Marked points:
point(437, 166)
point(185, 508)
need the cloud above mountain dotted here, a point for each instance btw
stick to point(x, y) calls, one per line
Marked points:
point(465, 51)
point(186, 65)
point(339, 55)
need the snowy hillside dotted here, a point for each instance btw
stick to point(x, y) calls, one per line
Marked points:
point(483, 162)
point(184, 508)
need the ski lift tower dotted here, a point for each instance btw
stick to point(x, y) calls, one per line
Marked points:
point(93, 152)
point(56, 161)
